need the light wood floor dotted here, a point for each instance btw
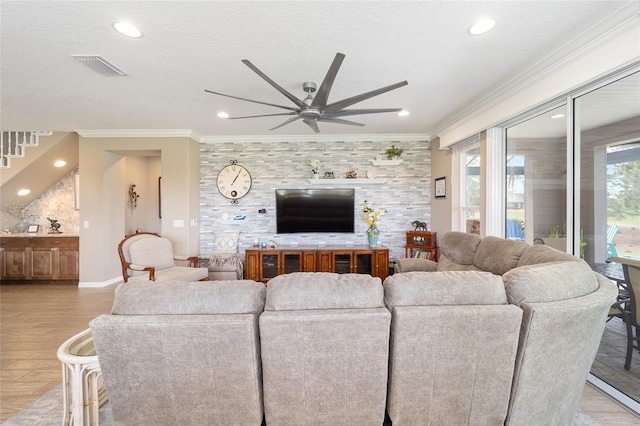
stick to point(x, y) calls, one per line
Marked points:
point(37, 318)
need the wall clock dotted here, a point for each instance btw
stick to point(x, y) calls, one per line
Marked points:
point(234, 181)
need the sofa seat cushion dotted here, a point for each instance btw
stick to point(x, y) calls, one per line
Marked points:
point(156, 252)
point(323, 290)
point(498, 255)
point(549, 282)
point(175, 273)
point(444, 288)
point(445, 264)
point(189, 298)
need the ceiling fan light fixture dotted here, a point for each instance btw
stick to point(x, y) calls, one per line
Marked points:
point(403, 113)
point(127, 29)
point(482, 26)
point(222, 114)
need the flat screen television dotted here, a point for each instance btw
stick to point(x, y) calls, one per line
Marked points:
point(314, 210)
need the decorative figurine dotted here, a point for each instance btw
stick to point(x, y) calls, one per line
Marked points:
point(54, 227)
point(419, 226)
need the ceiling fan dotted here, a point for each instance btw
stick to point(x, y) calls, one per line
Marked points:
point(312, 110)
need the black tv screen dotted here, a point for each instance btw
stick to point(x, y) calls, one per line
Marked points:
point(314, 210)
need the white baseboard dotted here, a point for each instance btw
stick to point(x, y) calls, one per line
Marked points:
point(99, 284)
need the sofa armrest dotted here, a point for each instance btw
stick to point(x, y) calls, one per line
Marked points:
point(414, 264)
point(141, 268)
point(193, 260)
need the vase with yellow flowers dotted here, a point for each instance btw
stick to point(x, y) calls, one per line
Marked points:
point(371, 217)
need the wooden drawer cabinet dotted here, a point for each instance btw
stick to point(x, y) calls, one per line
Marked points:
point(39, 258)
point(264, 264)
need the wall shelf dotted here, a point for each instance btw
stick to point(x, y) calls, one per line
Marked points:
point(363, 181)
point(386, 162)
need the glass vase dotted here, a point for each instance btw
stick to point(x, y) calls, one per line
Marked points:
point(372, 235)
point(22, 226)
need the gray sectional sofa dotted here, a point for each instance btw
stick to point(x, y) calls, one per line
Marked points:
point(497, 332)
point(564, 308)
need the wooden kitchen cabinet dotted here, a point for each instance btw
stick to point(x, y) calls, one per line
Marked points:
point(264, 264)
point(39, 258)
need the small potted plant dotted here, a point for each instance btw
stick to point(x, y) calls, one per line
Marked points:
point(394, 152)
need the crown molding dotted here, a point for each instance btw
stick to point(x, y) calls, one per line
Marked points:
point(140, 133)
point(621, 20)
point(186, 133)
point(316, 138)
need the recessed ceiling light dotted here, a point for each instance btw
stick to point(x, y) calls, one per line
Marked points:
point(403, 113)
point(60, 163)
point(127, 29)
point(557, 115)
point(223, 115)
point(24, 192)
point(482, 26)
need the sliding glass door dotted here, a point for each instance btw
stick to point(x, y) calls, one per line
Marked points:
point(607, 198)
point(536, 179)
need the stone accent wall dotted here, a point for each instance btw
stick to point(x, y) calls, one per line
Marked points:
point(274, 165)
point(58, 202)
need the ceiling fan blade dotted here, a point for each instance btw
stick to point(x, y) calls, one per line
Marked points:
point(312, 123)
point(274, 84)
point(291, 120)
point(346, 112)
point(320, 101)
point(251, 100)
point(337, 106)
point(263, 115)
point(340, 121)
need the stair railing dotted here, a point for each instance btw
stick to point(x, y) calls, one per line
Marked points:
point(13, 144)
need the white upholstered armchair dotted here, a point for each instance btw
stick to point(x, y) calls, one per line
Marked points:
point(146, 256)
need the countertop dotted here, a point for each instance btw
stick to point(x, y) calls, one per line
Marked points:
point(35, 235)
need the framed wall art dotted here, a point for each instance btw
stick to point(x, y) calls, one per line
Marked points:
point(441, 187)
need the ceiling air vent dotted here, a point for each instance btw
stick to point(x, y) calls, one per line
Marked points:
point(99, 64)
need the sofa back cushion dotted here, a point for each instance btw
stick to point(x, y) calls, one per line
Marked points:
point(459, 247)
point(323, 290)
point(549, 282)
point(155, 251)
point(225, 242)
point(189, 298)
point(444, 288)
point(498, 255)
point(540, 253)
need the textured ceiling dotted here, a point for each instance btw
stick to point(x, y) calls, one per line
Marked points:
point(188, 47)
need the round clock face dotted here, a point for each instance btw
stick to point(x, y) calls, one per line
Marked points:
point(234, 181)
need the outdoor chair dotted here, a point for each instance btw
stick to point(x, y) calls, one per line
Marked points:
point(611, 246)
point(147, 256)
point(626, 306)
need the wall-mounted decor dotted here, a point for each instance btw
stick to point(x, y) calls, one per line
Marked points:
point(160, 197)
point(441, 187)
point(133, 197)
point(234, 181)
